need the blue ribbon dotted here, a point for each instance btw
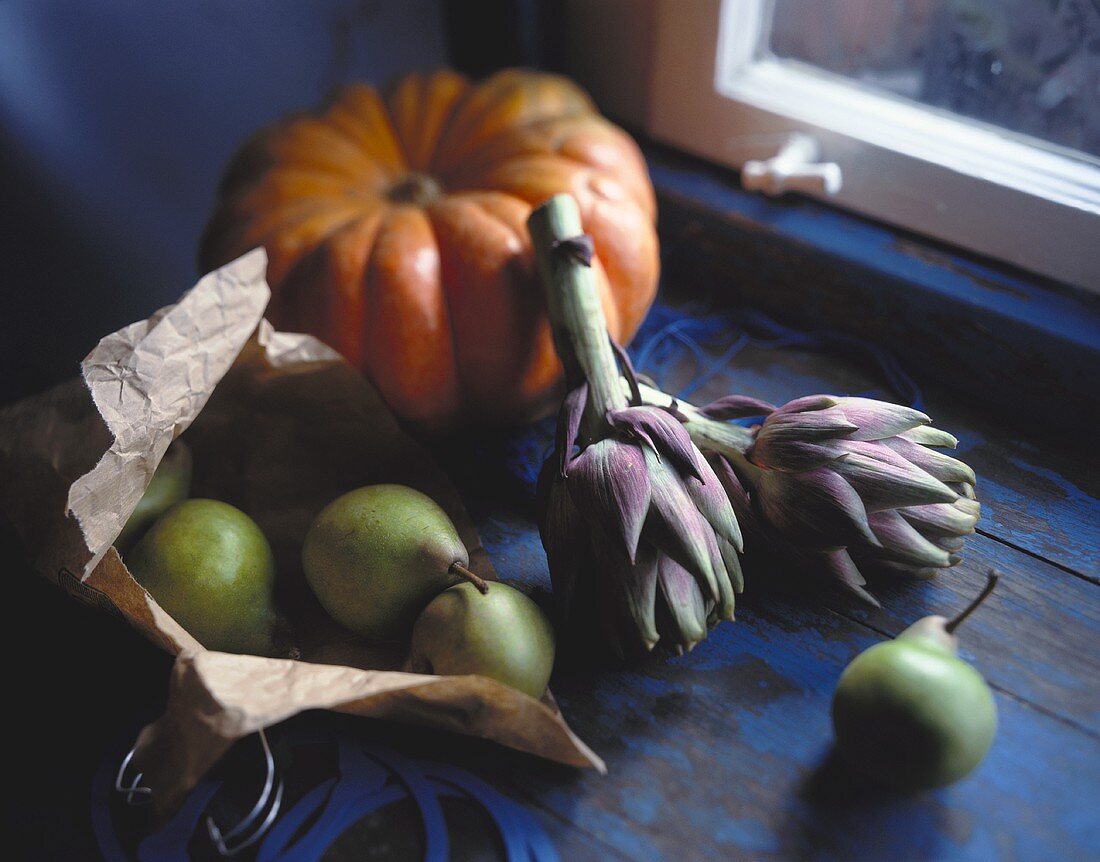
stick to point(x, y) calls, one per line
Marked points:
point(369, 777)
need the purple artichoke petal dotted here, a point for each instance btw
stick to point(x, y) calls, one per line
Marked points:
point(903, 544)
point(712, 502)
point(808, 403)
point(842, 568)
point(569, 423)
point(657, 426)
point(935, 464)
point(718, 566)
point(735, 491)
point(609, 484)
point(926, 435)
point(737, 407)
point(732, 560)
point(676, 526)
point(639, 433)
point(731, 581)
point(951, 544)
point(684, 601)
point(885, 480)
point(877, 420)
point(943, 519)
point(805, 427)
point(639, 588)
point(817, 510)
point(920, 573)
point(969, 505)
point(964, 489)
point(792, 456)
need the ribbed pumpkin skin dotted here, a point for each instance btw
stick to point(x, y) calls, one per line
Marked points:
point(395, 231)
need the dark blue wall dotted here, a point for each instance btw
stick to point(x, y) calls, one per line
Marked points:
point(116, 120)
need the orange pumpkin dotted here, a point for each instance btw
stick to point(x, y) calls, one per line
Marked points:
point(396, 232)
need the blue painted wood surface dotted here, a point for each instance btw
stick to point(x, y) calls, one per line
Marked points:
point(725, 753)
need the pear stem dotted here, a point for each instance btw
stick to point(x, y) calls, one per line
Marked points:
point(991, 582)
point(481, 584)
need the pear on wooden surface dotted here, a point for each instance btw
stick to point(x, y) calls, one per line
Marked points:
point(910, 713)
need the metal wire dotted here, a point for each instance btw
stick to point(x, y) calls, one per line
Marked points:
point(144, 794)
point(246, 833)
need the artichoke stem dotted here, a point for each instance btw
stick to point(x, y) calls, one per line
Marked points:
point(710, 435)
point(746, 471)
point(576, 315)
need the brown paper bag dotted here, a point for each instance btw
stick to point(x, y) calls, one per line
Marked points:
point(278, 425)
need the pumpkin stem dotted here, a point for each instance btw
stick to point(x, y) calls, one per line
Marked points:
point(416, 189)
point(573, 305)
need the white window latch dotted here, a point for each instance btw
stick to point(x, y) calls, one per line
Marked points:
point(793, 169)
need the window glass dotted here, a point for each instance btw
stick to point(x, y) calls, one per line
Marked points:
point(1030, 66)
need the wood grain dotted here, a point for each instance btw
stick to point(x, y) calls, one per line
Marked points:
point(725, 752)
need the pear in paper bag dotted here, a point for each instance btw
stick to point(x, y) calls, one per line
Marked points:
point(377, 555)
point(500, 634)
point(210, 567)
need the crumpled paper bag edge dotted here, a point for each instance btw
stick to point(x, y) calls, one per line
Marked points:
point(145, 370)
point(225, 715)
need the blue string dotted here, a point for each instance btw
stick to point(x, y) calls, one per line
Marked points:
point(655, 353)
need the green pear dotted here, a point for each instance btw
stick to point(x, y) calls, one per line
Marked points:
point(910, 713)
point(210, 567)
point(170, 484)
point(500, 634)
point(377, 555)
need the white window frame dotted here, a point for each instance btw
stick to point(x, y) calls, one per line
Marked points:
point(713, 94)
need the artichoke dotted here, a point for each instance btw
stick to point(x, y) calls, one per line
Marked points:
point(640, 537)
point(639, 505)
point(637, 528)
point(841, 482)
